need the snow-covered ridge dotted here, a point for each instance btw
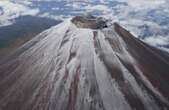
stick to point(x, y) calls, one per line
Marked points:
point(72, 68)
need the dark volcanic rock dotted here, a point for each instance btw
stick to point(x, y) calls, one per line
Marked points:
point(82, 67)
point(89, 22)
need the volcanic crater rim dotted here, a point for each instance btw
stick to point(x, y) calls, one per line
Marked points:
point(90, 22)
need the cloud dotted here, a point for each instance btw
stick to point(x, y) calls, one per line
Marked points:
point(142, 4)
point(97, 7)
point(10, 10)
point(147, 18)
point(103, 9)
point(157, 41)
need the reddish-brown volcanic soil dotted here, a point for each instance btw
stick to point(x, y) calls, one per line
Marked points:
point(78, 67)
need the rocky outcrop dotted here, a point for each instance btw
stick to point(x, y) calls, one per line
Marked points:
point(89, 22)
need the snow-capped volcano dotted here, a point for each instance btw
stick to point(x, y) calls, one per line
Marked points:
point(83, 64)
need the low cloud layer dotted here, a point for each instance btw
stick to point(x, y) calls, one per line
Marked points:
point(146, 19)
point(10, 10)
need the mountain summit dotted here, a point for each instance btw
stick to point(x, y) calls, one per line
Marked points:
point(84, 64)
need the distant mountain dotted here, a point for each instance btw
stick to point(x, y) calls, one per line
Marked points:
point(85, 64)
point(24, 28)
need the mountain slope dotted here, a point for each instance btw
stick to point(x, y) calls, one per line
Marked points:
point(69, 67)
point(24, 29)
